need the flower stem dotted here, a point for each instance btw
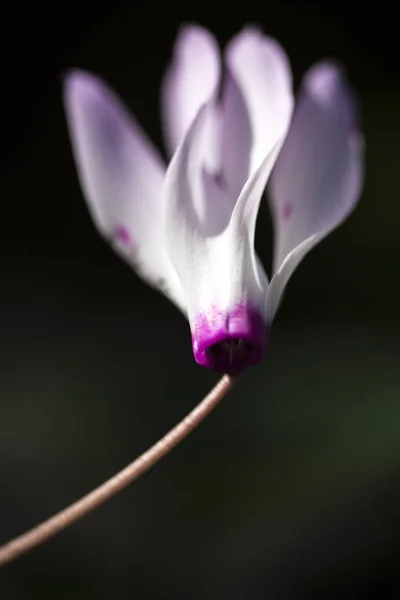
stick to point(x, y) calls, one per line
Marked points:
point(63, 519)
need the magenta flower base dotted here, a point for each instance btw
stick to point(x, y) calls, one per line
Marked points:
point(229, 342)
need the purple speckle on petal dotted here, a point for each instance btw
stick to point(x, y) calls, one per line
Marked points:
point(123, 236)
point(287, 210)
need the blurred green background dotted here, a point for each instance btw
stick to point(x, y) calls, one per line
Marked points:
point(291, 489)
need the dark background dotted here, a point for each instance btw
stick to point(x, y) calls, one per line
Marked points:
point(291, 489)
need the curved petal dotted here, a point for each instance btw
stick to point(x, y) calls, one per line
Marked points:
point(223, 158)
point(263, 74)
point(318, 176)
point(223, 281)
point(191, 80)
point(233, 138)
point(121, 175)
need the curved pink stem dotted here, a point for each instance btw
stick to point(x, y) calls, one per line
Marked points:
point(63, 519)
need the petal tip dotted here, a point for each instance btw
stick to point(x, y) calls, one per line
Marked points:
point(78, 79)
point(324, 77)
point(328, 85)
point(252, 39)
point(80, 85)
point(191, 40)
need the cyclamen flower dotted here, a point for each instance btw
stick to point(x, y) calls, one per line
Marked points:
point(188, 228)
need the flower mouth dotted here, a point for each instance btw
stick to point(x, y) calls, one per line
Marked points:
point(229, 342)
point(232, 355)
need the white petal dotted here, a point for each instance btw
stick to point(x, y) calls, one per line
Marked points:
point(318, 176)
point(190, 81)
point(223, 281)
point(235, 137)
point(262, 71)
point(121, 175)
point(223, 157)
